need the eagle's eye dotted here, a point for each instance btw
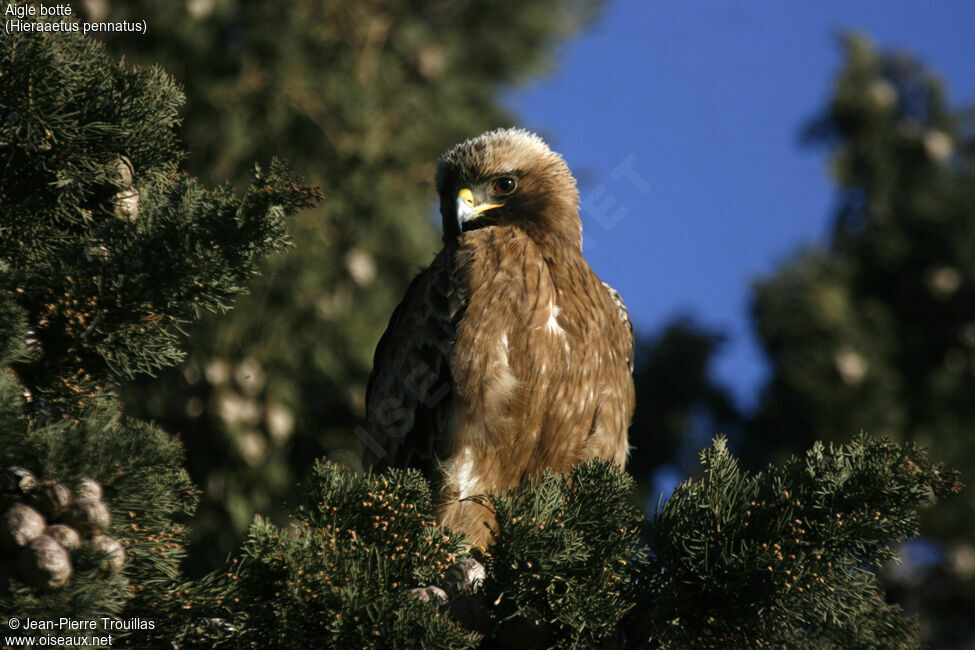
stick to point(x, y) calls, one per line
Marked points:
point(505, 185)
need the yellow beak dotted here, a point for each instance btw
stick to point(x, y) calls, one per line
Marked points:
point(466, 210)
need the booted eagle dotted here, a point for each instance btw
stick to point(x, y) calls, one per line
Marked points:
point(508, 355)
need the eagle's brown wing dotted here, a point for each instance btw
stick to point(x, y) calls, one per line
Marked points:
point(408, 398)
point(625, 317)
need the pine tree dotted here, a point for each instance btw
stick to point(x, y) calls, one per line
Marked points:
point(759, 560)
point(107, 253)
point(874, 330)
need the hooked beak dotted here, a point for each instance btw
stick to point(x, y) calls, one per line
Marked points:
point(467, 211)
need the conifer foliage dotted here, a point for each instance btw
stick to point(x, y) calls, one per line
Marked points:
point(105, 291)
point(732, 559)
point(753, 560)
point(564, 568)
point(106, 252)
point(343, 574)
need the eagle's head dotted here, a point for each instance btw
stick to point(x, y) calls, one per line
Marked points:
point(508, 177)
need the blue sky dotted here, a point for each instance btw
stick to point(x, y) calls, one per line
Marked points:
point(697, 107)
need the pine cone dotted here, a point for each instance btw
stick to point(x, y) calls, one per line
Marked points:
point(18, 480)
point(88, 488)
point(125, 170)
point(45, 564)
point(51, 498)
point(64, 535)
point(89, 517)
point(21, 525)
point(114, 551)
point(126, 204)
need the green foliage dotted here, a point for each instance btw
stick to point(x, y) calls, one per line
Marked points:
point(732, 559)
point(567, 553)
point(341, 575)
point(107, 296)
point(753, 560)
point(13, 328)
point(874, 330)
point(107, 252)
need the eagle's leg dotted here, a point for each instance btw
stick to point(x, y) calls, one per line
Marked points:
point(472, 516)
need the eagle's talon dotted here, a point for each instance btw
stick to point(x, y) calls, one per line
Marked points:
point(465, 577)
point(430, 593)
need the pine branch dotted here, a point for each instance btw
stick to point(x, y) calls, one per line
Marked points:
point(753, 560)
point(107, 248)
